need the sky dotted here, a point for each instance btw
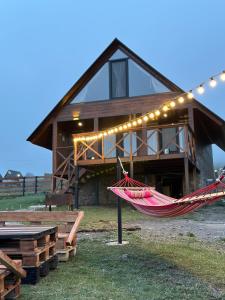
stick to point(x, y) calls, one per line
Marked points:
point(46, 45)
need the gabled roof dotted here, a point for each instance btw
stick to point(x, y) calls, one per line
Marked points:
point(13, 174)
point(90, 72)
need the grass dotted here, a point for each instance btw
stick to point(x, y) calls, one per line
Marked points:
point(141, 270)
point(20, 202)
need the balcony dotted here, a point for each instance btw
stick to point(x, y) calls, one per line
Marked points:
point(137, 144)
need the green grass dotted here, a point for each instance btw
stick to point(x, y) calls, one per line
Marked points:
point(141, 270)
point(20, 202)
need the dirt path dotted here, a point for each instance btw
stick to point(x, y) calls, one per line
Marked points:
point(207, 224)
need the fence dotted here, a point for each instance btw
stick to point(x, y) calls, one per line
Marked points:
point(25, 186)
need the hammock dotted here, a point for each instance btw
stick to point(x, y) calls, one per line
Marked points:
point(148, 201)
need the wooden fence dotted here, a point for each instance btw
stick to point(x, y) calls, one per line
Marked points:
point(25, 186)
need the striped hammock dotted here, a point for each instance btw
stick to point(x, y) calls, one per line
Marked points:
point(148, 201)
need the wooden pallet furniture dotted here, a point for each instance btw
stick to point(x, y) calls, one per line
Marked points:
point(68, 223)
point(10, 277)
point(34, 245)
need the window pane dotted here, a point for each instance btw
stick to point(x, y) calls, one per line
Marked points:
point(109, 143)
point(118, 79)
point(126, 144)
point(152, 140)
point(143, 83)
point(118, 55)
point(97, 88)
point(168, 140)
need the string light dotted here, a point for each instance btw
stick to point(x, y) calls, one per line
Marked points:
point(222, 76)
point(151, 115)
point(181, 100)
point(190, 95)
point(200, 89)
point(212, 82)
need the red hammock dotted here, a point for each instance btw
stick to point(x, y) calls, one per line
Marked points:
point(148, 201)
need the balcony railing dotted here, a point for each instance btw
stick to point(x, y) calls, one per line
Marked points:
point(165, 141)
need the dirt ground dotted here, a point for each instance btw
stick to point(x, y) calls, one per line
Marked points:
point(207, 224)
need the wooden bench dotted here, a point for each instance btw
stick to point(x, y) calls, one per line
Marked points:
point(67, 221)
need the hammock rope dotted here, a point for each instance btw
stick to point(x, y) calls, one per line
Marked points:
point(148, 201)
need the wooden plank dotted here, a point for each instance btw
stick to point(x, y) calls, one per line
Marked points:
point(74, 229)
point(11, 265)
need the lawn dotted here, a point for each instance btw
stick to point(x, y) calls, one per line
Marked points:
point(140, 270)
point(182, 268)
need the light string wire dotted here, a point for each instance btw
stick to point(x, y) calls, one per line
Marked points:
point(153, 115)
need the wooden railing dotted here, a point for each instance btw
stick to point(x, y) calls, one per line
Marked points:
point(151, 142)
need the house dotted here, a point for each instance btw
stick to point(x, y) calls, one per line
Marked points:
point(172, 151)
point(13, 175)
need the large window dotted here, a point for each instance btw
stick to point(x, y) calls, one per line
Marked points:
point(118, 79)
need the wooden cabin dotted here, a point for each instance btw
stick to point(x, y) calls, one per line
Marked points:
point(174, 154)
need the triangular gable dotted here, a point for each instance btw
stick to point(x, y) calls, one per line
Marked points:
point(139, 81)
point(86, 77)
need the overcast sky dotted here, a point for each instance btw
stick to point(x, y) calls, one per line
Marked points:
point(45, 46)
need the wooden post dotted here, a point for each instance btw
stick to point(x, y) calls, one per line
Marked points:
point(119, 212)
point(131, 169)
point(54, 153)
point(24, 185)
point(76, 187)
point(194, 178)
point(35, 184)
point(186, 175)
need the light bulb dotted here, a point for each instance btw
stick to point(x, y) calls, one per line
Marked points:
point(125, 126)
point(172, 104)
point(190, 95)
point(105, 133)
point(181, 100)
point(116, 129)
point(200, 89)
point(145, 118)
point(165, 115)
point(151, 115)
point(134, 123)
point(212, 82)
point(222, 76)
point(129, 125)
point(157, 113)
point(139, 121)
point(165, 108)
point(120, 128)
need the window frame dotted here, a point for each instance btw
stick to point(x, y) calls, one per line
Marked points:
point(127, 78)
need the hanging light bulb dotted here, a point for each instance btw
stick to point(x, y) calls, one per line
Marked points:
point(134, 123)
point(139, 121)
point(181, 100)
point(190, 95)
point(145, 118)
point(165, 108)
point(212, 82)
point(172, 104)
point(151, 115)
point(129, 125)
point(157, 113)
point(222, 76)
point(165, 115)
point(200, 89)
point(105, 133)
point(116, 129)
point(120, 128)
point(125, 126)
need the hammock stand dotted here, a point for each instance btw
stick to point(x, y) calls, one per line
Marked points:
point(150, 202)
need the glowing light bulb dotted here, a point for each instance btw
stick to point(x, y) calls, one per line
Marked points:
point(145, 118)
point(165, 108)
point(181, 100)
point(105, 133)
point(200, 89)
point(134, 123)
point(165, 115)
point(129, 125)
point(120, 128)
point(151, 115)
point(125, 126)
point(172, 104)
point(139, 121)
point(157, 113)
point(222, 76)
point(212, 82)
point(190, 95)
point(116, 129)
